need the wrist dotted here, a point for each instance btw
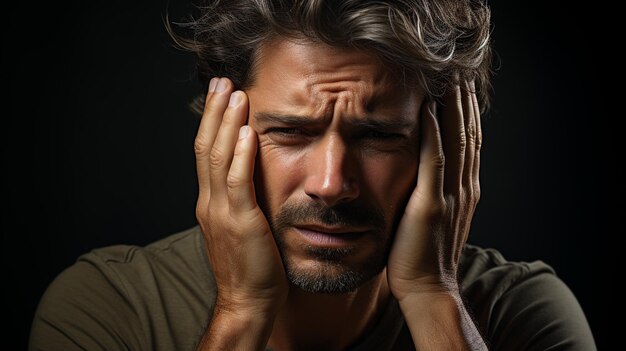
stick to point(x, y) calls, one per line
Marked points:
point(245, 330)
point(245, 309)
point(438, 320)
point(425, 287)
point(434, 299)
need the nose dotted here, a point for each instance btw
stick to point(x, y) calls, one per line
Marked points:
point(331, 172)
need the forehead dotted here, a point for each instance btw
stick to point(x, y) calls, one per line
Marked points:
point(302, 72)
point(302, 58)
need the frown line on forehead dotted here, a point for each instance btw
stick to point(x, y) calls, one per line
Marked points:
point(370, 121)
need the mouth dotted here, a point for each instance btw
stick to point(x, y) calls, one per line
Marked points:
point(336, 237)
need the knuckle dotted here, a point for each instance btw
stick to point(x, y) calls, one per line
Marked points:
point(477, 192)
point(439, 160)
point(461, 141)
point(471, 134)
point(466, 194)
point(201, 213)
point(216, 157)
point(233, 182)
point(478, 142)
point(470, 193)
point(201, 146)
point(199, 216)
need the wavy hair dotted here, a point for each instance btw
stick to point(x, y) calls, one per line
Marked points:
point(433, 43)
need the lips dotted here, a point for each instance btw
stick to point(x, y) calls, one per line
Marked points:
point(330, 236)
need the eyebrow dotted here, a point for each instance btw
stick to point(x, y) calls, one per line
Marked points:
point(279, 118)
point(397, 123)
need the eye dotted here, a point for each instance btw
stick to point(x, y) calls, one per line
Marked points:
point(286, 132)
point(375, 134)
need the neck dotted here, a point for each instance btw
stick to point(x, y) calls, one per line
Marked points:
point(328, 322)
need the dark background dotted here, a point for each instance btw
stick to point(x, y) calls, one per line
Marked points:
point(98, 149)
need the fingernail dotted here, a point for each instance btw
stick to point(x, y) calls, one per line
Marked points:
point(243, 132)
point(212, 84)
point(221, 85)
point(235, 98)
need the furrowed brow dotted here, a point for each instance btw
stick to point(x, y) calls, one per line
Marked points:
point(284, 119)
point(397, 123)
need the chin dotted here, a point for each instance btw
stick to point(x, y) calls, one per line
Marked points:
point(328, 273)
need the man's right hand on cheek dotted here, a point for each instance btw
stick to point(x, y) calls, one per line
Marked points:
point(248, 271)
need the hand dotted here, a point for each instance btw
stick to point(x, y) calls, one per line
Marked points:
point(248, 270)
point(434, 228)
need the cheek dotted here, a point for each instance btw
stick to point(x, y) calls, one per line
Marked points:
point(278, 175)
point(391, 182)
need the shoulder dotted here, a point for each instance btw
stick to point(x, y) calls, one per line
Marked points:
point(184, 242)
point(480, 266)
point(153, 270)
point(184, 250)
point(124, 297)
point(521, 305)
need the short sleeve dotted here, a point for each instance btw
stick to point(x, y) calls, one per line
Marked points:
point(75, 313)
point(539, 312)
point(123, 297)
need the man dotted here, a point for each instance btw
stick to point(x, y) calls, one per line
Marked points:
point(338, 163)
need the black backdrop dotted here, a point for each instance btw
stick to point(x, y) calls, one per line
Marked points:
point(98, 149)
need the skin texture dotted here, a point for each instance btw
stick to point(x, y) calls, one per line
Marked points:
point(358, 141)
point(331, 158)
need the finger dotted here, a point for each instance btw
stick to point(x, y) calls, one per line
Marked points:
point(223, 148)
point(239, 182)
point(454, 140)
point(473, 149)
point(430, 174)
point(469, 116)
point(477, 146)
point(214, 106)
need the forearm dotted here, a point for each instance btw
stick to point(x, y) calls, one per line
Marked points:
point(439, 321)
point(236, 332)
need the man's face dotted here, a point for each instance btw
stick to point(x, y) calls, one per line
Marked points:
point(337, 160)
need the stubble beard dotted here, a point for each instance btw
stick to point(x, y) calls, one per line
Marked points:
point(331, 274)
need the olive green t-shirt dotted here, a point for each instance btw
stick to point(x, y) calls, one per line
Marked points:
point(160, 297)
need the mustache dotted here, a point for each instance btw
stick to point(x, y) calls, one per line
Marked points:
point(349, 215)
